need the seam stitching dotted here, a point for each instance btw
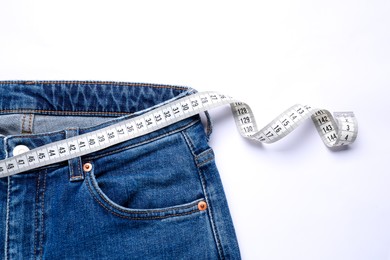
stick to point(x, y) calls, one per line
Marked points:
point(23, 120)
point(203, 183)
point(189, 143)
point(80, 174)
point(6, 244)
point(113, 83)
point(36, 214)
point(139, 218)
point(70, 168)
point(42, 214)
point(63, 112)
point(213, 225)
point(30, 123)
point(36, 135)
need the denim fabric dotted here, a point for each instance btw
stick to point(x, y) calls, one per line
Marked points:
point(158, 196)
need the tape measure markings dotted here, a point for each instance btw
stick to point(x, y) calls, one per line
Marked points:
point(333, 134)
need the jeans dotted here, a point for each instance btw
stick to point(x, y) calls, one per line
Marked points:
point(158, 196)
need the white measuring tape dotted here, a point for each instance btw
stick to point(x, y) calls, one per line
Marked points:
point(333, 134)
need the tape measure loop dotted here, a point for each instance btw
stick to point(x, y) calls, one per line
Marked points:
point(335, 131)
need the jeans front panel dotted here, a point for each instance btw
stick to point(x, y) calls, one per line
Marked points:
point(135, 203)
point(140, 200)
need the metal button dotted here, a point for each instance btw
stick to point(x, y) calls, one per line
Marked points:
point(87, 167)
point(19, 149)
point(202, 205)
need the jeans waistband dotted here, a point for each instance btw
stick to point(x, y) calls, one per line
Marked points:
point(87, 98)
point(27, 108)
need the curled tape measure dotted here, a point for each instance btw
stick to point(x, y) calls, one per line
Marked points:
point(333, 134)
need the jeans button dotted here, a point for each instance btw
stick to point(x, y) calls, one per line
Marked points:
point(19, 149)
point(87, 167)
point(202, 205)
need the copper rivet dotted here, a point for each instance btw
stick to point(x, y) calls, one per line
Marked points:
point(87, 167)
point(202, 205)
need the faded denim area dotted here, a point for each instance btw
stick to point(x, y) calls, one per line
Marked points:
point(158, 196)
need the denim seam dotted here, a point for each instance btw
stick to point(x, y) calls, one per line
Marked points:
point(210, 211)
point(144, 142)
point(6, 244)
point(189, 144)
point(139, 218)
point(42, 214)
point(38, 135)
point(213, 224)
point(112, 83)
point(36, 214)
point(63, 112)
point(34, 135)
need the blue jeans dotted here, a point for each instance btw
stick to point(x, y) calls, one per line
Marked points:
point(158, 196)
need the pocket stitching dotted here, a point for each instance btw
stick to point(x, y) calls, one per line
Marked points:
point(109, 204)
point(139, 218)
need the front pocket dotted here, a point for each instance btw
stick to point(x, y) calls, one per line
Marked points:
point(153, 180)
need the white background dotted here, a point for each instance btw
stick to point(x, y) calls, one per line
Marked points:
point(295, 199)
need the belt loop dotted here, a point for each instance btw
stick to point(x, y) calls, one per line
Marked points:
point(27, 124)
point(209, 127)
point(75, 167)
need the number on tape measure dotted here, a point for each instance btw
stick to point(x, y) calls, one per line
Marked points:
point(339, 130)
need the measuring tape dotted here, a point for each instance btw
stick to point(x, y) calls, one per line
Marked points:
point(339, 130)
